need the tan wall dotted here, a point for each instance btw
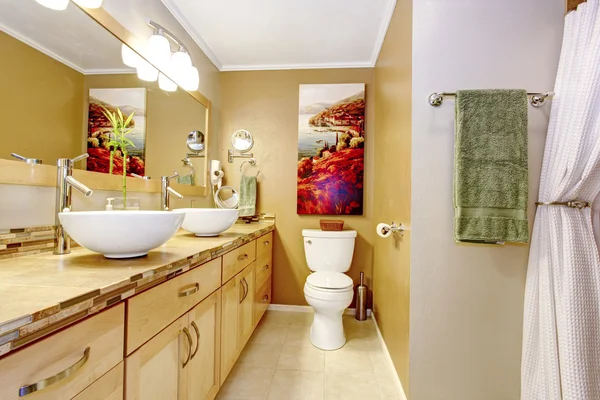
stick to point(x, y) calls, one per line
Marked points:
point(169, 119)
point(266, 103)
point(466, 303)
point(41, 102)
point(391, 267)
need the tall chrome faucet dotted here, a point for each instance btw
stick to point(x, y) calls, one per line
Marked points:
point(166, 190)
point(64, 183)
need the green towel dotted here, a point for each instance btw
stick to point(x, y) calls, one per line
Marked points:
point(490, 166)
point(186, 179)
point(247, 206)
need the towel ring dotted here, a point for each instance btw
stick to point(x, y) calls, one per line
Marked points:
point(252, 162)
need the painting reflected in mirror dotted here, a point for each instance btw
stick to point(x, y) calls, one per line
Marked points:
point(56, 86)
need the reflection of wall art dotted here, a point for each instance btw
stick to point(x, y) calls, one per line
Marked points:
point(331, 136)
point(128, 101)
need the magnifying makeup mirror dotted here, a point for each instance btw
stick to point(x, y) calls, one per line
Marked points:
point(242, 140)
point(195, 142)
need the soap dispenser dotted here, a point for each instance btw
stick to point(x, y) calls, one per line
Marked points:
point(109, 204)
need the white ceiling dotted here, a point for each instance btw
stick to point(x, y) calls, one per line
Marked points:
point(69, 36)
point(286, 34)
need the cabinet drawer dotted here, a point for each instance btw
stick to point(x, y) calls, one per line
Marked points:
point(153, 310)
point(238, 259)
point(67, 362)
point(262, 300)
point(263, 269)
point(109, 387)
point(264, 244)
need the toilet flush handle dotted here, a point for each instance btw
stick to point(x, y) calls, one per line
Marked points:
point(309, 241)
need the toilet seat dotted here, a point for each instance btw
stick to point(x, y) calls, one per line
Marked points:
point(329, 281)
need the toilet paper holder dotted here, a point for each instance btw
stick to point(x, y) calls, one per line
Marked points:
point(394, 228)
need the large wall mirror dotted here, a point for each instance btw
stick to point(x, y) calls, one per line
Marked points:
point(60, 69)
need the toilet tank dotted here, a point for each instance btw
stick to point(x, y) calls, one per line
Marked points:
point(328, 250)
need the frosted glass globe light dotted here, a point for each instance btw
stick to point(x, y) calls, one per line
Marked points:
point(54, 4)
point(190, 79)
point(89, 3)
point(158, 50)
point(130, 57)
point(146, 72)
point(166, 84)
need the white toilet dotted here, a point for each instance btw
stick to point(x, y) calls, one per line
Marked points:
point(328, 290)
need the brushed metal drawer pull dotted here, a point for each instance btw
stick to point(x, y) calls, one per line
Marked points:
point(197, 339)
point(243, 287)
point(265, 298)
point(44, 383)
point(266, 243)
point(266, 267)
point(190, 291)
point(242, 257)
point(189, 354)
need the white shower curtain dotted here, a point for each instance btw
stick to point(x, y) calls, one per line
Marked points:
point(561, 332)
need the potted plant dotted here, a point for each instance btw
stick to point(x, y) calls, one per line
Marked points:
point(120, 128)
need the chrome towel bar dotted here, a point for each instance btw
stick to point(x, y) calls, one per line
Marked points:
point(536, 99)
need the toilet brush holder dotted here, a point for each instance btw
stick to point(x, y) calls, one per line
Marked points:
point(361, 299)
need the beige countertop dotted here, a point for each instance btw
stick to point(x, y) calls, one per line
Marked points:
point(42, 293)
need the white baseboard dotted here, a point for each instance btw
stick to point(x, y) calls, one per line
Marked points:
point(387, 355)
point(308, 309)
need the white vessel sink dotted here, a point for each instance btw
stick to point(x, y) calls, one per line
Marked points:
point(207, 221)
point(121, 234)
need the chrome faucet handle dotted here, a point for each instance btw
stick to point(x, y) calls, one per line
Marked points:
point(27, 160)
point(140, 176)
point(79, 158)
point(174, 192)
point(175, 175)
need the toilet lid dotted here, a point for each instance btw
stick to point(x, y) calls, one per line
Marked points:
point(329, 280)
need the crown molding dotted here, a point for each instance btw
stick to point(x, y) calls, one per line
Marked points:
point(383, 28)
point(40, 48)
point(62, 60)
point(187, 26)
point(274, 67)
point(109, 71)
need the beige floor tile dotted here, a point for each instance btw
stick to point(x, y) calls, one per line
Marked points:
point(388, 388)
point(260, 355)
point(381, 365)
point(246, 383)
point(351, 387)
point(269, 334)
point(301, 319)
point(301, 358)
point(346, 361)
point(362, 339)
point(296, 385)
point(276, 318)
point(350, 322)
point(298, 336)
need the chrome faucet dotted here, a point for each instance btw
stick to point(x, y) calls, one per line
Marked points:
point(64, 183)
point(27, 160)
point(166, 190)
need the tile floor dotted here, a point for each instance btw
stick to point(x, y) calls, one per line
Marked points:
point(280, 363)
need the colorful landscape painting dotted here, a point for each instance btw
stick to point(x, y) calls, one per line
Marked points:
point(331, 138)
point(128, 101)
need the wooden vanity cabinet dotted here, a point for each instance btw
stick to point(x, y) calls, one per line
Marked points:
point(181, 362)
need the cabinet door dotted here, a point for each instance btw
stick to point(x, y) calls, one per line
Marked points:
point(231, 296)
point(155, 370)
point(203, 369)
point(246, 313)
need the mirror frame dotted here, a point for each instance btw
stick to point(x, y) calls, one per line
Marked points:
point(20, 173)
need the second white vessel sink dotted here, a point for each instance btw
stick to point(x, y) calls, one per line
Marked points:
point(207, 221)
point(121, 234)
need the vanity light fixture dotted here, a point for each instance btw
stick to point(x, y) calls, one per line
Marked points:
point(158, 49)
point(89, 3)
point(146, 72)
point(130, 57)
point(166, 84)
point(54, 4)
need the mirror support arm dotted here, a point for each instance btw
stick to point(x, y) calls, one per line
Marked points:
point(231, 155)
